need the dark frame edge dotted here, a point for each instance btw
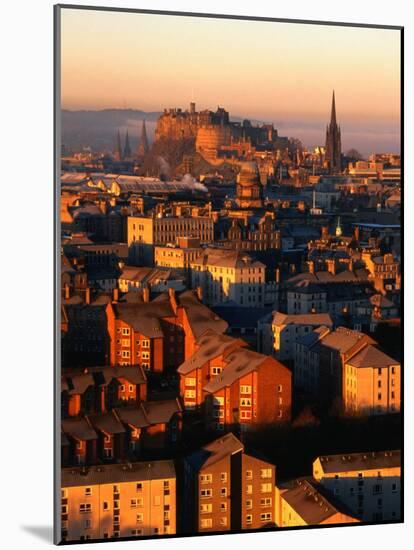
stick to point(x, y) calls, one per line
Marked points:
point(56, 272)
point(229, 16)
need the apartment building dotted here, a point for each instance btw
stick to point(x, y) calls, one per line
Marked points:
point(233, 385)
point(118, 500)
point(227, 489)
point(157, 334)
point(300, 502)
point(371, 383)
point(229, 276)
point(369, 484)
point(146, 233)
point(330, 350)
point(180, 255)
point(279, 333)
point(121, 433)
point(97, 389)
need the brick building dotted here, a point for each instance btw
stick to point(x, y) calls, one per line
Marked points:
point(227, 488)
point(233, 385)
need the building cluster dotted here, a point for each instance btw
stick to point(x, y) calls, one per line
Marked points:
point(196, 312)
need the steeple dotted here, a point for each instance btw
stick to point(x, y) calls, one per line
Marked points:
point(333, 110)
point(127, 148)
point(333, 149)
point(143, 142)
point(118, 151)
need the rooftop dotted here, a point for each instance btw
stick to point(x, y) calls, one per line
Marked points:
point(117, 473)
point(360, 461)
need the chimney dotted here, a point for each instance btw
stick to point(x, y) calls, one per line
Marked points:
point(356, 234)
point(277, 275)
point(199, 292)
point(173, 301)
point(145, 294)
point(87, 295)
point(311, 266)
point(351, 264)
point(115, 294)
point(331, 266)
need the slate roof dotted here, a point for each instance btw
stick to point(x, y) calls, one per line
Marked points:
point(360, 461)
point(117, 473)
point(215, 451)
point(370, 357)
point(79, 428)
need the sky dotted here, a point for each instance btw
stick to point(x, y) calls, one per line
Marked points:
point(268, 71)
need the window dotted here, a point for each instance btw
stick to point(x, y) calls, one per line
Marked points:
point(145, 355)
point(249, 519)
point(249, 474)
point(206, 523)
point(223, 477)
point(249, 504)
point(85, 508)
point(140, 518)
point(223, 521)
point(379, 396)
point(116, 488)
point(136, 502)
point(190, 393)
point(190, 382)
point(64, 493)
point(245, 389)
point(206, 508)
point(266, 473)
point(125, 331)
point(145, 343)
point(64, 509)
point(249, 489)
point(88, 524)
point(265, 487)
point(245, 402)
point(105, 505)
point(131, 388)
point(216, 370)
point(266, 517)
point(223, 506)
point(280, 388)
point(245, 414)
point(206, 478)
point(223, 491)
point(206, 493)
point(125, 355)
point(265, 502)
point(136, 532)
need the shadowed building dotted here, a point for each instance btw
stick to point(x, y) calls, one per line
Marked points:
point(227, 489)
point(369, 484)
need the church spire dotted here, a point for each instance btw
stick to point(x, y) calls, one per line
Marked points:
point(333, 110)
point(127, 148)
point(143, 142)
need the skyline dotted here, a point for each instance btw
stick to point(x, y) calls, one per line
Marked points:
point(298, 108)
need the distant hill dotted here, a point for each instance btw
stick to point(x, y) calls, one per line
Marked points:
point(98, 129)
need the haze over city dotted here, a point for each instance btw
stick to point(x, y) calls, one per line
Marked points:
point(283, 73)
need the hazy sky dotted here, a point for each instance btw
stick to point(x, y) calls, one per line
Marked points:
point(278, 72)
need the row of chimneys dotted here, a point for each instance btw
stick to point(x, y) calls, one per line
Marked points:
point(115, 295)
point(331, 265)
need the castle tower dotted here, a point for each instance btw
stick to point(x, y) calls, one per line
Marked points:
point(118, 150)
point(127, 148)
point(143, 142)
point(333, 142)
point(249, 192)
